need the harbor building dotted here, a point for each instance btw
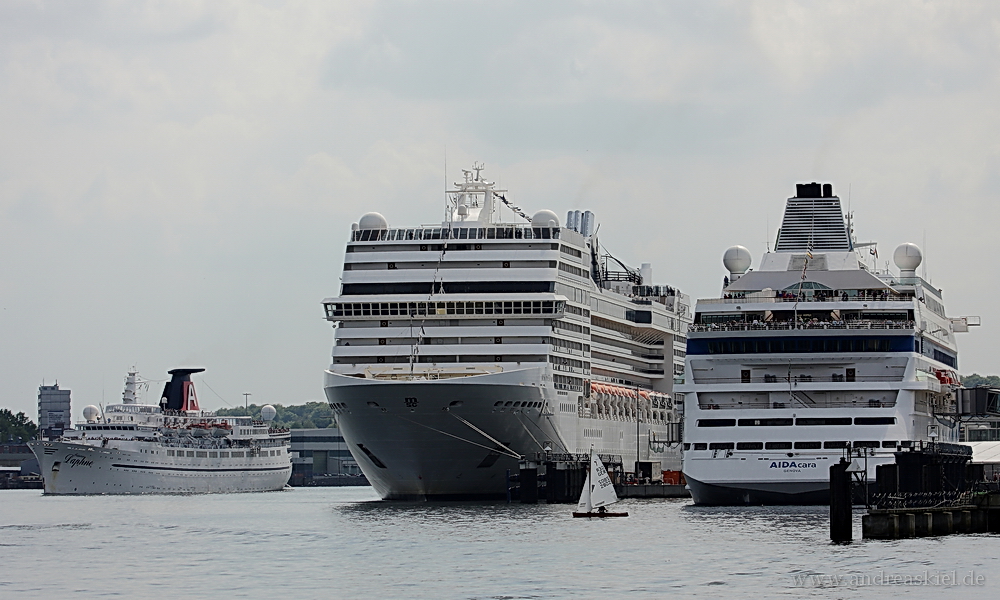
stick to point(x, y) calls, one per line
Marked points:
point(53, 410)
point(321, 457)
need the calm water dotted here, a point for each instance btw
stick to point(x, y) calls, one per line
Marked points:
point(343, 543)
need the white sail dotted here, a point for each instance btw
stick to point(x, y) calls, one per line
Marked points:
point(584, 504)
point(602, 491)
point(598, 490)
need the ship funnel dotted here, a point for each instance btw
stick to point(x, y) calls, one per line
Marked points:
point(178, 393)
point(587, 224)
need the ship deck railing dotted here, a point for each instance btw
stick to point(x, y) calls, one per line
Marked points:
point(796, 403)
point(785, 379)
point(761, 297)
point(806, 325)
point(460, 231)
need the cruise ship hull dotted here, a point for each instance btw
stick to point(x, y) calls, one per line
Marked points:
point(78, 469)
point(718, 478)
point(443, 439)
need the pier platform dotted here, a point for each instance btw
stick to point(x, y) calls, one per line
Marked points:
point(653, 490)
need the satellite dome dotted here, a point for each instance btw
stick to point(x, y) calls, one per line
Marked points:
point(267, 413)
point(907, 257)
point(737, 260)
point(372, 220)
point(545, 218)
point(91, 413)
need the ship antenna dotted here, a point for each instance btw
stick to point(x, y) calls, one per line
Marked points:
point(446, 202)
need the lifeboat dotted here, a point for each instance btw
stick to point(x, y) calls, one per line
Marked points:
point(947, 377)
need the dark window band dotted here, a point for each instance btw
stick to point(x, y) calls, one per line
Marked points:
point(452, 287)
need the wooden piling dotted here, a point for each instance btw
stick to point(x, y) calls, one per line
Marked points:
point(840, 503)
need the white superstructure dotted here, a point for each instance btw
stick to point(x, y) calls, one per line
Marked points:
point(167, 448)
point(813, 355)
point(462, 347)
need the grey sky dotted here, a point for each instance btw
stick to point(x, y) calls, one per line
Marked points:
point(178, 179)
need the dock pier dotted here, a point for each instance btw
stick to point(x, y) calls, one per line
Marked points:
point(931, 490)
point(559, 479)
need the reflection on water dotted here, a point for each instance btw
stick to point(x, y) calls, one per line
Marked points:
point(345, 543)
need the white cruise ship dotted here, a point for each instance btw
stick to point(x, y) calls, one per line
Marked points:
point(810, 357)
point(466, 346)
point(169, 448)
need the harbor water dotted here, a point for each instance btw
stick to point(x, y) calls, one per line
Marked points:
point(344, 543)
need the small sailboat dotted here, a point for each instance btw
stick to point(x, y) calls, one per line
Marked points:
point(598, 491)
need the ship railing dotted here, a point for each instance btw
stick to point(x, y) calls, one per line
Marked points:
point(617, 366)
point(504, 231)
point(760, 297)
point(785, 379)
point(796, 402)
point(943, 499)
point(609, 460)
point(806, 325)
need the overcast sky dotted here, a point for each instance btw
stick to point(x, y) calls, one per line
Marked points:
point(178, 179)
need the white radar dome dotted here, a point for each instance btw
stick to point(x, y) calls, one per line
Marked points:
point(737, 260)
point(267, 413)
point(372, 220)
point(545, 218)
point(907, 257)
point(91, 413)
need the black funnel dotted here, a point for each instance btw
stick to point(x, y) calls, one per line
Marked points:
point(178, 393)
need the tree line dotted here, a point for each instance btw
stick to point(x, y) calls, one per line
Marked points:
point(16, 428)
point(311, 415)
point(977, 379)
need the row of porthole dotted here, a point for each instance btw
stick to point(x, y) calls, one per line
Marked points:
point(512, 404)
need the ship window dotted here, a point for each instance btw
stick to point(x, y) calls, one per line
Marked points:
point(875, 421)
point(750, 445)
point(866, 444)
point(237, 455)
point(778, 445)
point(720, 446)
point(190, 453)
point(213, 455)
point(701, 446)
point(687, 446)
point(765, 422)
point(716, 422)
point(201, 454)
point(170, 452)
point(889, 443)
point(808, 445)
point(223, 455)
point(834, 445)
point(824, 421)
